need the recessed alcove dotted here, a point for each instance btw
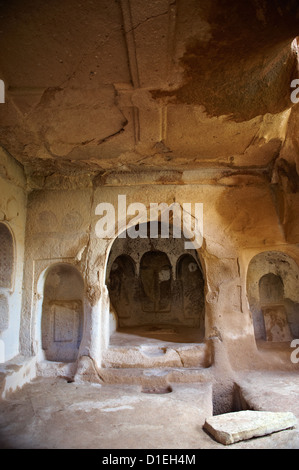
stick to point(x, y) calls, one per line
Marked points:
point(6, 257)
point(6, 273)
point(272, 287)
point(156, 290)
point(271, 291)
point(123, 111)
point(62, 313)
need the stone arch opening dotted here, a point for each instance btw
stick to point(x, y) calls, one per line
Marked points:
point(147, 288)
point(62, 313)
point(273, 297)
point(6, 273)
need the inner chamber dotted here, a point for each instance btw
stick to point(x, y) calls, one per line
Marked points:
point(156, 286)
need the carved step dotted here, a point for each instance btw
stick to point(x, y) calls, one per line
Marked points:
point(152, 356)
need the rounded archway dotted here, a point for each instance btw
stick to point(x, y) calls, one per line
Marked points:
point(62, 313)
point(156, 283)
point(273, 296)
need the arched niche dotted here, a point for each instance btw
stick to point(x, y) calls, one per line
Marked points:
point(190, 276)
point(273, 296)
point(62, 313)
point(120, 285)
point(6, 257)
point(6, 273)
point(146, 285)
point(155, 279)
point(4, 312)
point(271, 290)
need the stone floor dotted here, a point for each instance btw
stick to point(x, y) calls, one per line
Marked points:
point(52, 413)
point(159, 346)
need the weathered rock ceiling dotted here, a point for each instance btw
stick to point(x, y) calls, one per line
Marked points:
point(97, 86)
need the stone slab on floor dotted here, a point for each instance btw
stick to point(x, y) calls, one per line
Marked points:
point(233, 427)
point(270, 390)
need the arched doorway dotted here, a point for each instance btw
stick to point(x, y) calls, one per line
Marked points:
point(62, 313)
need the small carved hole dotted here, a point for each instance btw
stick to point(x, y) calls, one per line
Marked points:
point(157, 390)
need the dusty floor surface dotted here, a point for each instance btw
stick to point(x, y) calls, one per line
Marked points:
point(54, 414)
